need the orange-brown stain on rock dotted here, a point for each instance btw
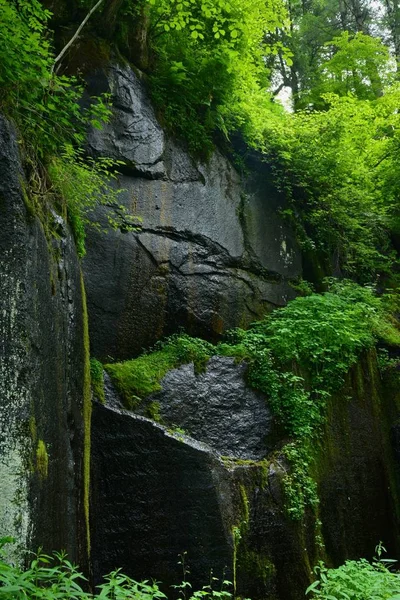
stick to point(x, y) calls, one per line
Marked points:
point(191, 295)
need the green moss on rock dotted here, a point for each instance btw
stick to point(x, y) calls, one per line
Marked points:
point(87, 416)
point(42, 460)
point(97, 379)
point(258, 566)
point(153, 411)
point(135, 379)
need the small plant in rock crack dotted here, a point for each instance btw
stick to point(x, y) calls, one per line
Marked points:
point(215, 590)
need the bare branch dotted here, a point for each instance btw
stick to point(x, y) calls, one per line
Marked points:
point(75, 36)
point(279, 89)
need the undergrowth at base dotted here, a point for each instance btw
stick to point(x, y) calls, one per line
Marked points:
point(357, 580)
point(56, 578)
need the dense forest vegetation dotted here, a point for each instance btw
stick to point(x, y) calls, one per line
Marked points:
point(215, 70)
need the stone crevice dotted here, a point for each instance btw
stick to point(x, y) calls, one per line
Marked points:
point(246, 263)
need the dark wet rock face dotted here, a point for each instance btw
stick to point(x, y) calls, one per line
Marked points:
point(41, 372)
point(212, 254)
point(355, 475)
point(134, 135)
point(359, 490)
point(155, 496)
point(218, 408)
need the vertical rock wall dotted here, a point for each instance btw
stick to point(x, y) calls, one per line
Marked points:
point(213, 252)
point(41, 371)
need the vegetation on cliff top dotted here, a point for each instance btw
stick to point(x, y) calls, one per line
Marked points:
point(214, 68)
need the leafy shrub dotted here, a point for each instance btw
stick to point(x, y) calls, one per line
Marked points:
point(338, 169)
point(84, 183)
point(50, 577)
point(357, 580)
point(299, 355)
point(56, 578)
point(51, 120)
point(44, 105)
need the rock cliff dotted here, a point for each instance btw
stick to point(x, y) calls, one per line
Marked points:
point(42, 363)
point(213, 252)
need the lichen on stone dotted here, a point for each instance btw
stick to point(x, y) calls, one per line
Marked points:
point(42, 460)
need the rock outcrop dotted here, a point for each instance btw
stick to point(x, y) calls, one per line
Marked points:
point(42, 361)
point(216, 407)
point(213, 252)
point(158, 493)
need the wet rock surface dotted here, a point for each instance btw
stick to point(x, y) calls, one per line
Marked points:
point(154, 497)
point(359, 485)
point(41, 371)
point(218, 408)
point(212, 254)
point(133, 135)
point(157, 494)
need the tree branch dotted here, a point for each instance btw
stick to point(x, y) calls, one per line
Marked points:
point(75, 36)
point(279, 89)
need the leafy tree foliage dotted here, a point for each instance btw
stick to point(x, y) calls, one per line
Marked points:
point(211, 62)
point(45, 106)
point(338, 168)
point(314, 24)
point(51, 121)
point(357, 65)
